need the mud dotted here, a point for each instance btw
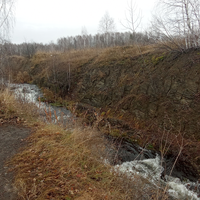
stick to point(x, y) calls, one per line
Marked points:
point(11, 140)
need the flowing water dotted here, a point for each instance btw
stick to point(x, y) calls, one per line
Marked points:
point(152, 170)
point(128, 158)
point(31, 93)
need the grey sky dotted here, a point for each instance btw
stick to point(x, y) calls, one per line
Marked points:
point(48, 20)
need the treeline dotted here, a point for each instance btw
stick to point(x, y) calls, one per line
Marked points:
point(78, 42)
point(175, 26)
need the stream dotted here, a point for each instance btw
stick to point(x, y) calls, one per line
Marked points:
point(30, 93)
point(126, 157)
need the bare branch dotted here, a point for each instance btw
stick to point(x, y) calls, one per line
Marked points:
point(6, 18)
point(106, 24)
point(178, 22)
point(133, 17)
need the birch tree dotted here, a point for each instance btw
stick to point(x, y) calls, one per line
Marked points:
point(84, 35)
point(106, 27)
point(106, 24)
point(6, 18)
point(133, 18)
point(6, 23)
point(178, 24)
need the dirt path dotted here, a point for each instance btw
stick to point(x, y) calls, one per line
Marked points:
point(11, 140)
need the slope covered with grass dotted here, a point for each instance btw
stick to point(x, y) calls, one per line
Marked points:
point(144, 95)
point(66, 164)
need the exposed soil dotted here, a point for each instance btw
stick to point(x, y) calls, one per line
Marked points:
point(11, 140)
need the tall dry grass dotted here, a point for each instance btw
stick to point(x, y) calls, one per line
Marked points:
point(86, 57)
point(60, 164)
point(12, 108)
point(7, 102)
point(69, 165)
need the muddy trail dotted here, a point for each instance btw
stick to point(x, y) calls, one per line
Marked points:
point(12, 138)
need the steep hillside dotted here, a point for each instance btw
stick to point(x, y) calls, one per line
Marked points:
point(146, 86)
point(157, 93)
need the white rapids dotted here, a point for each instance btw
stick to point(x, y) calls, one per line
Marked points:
point(151, 169)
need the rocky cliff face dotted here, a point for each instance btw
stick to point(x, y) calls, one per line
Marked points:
point(148, 87)
point(155, 87)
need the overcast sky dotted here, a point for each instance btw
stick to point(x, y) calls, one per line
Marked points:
point(47, 20)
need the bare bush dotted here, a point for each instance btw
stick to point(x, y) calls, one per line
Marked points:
point(29, 49)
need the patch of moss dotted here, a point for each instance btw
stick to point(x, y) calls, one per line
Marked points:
point(150, 147)
point(116, 133)
point(57, 104)
point(42, 99)
point(156, 60)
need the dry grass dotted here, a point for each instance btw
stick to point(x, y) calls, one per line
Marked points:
point(6, 102)
point(76, 58)
point(172, 44)
point(64, 165)
point(20, 110)
point(60, 164)
point(115, 54)
point(69, 152)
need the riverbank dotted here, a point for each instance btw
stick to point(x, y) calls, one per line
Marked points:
point(149, 98)
point(74, 147)
point(63, 164)
point(153, 93)
point(13, 134)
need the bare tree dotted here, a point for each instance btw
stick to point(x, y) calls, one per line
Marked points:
point(84, 31)
point(29, 49)
point(106, 24)
point(133, 18)
point(6, 23)
point(177, 22)
point(6, 17)
point(106, 27)
point(84, 35)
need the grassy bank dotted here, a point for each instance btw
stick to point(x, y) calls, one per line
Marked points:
point(64, 164)
point(146, 96)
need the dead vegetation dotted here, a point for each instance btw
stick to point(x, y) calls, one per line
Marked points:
point(19, 110)
point(68, 164)
point(133, 84)
point(139, 85)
